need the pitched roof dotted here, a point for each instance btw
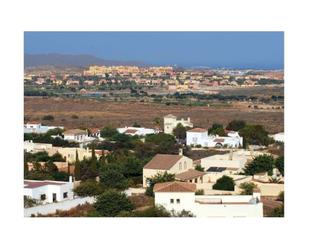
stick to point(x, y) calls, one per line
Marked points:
point(162, 161)
point(174, 187)
point(189, 174)
point(75, 132)
point(197, 130)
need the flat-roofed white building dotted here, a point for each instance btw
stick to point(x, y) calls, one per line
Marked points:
point(137, 131)
point(36, 127)
point(171, 121)
point(48, 191)
point(30, 146)
point(178, 196)
point(77, 135)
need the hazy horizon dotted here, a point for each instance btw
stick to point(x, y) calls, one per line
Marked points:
point(238, 50)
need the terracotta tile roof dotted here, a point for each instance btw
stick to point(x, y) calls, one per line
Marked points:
point(130, 131)
point(162, 161)
point(75, 132)
point(36, 184)
point(219, 140)
point(189, 174)
point(174, 187)
point(197, 130)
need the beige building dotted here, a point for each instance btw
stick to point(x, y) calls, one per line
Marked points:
point(170, 123)
point(161, 163)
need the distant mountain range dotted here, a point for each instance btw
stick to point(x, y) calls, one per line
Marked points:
point(82, 60)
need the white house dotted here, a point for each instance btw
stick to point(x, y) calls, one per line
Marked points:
point(279, 137)
point(77, 135)
point(178, 196)
point(232, 161)
point(30, 146)
point(199, 136)
point(48, 191)
point(161, 163)
point(137, 131)
point(35, 127)
point(170, 123)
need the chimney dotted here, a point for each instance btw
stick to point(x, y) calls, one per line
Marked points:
point(180, 152)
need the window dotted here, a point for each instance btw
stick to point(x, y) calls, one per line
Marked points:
point(195, 180)
point(178, 201)
point(171, 201)
point(43, 197)
point(65, 195)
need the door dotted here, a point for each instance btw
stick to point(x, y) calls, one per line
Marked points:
point(54, 197)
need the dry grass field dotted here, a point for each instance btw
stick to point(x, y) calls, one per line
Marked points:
point(98, 113)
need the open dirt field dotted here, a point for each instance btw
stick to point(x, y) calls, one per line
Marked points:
point(98, 113)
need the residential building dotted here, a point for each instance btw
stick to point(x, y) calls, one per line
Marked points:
point(30, 146)
point(77, 135)
point(200, 137)
point(48, 191)
point(191, 175)
point(36, 127)
point(137, 131)
point(233, 161)
point(178, 196)
point(161, 163)
point(170, 123)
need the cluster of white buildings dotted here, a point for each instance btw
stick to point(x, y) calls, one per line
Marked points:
point(200, 137)
point(35, 127)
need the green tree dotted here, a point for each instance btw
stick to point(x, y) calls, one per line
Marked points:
point(112, 178)
point(247, 188)
point(224, 183)
point(236, 125)
point(262, 163)
point(77, 168)
point(48, 118)
point(279, 163)
point(199, 168)
point(158, 178)
point(89, 188)
point(180, 131)
point(278, 212)
point(111, 203)
point(217, 129)
point(255, 134)
point(108, 132)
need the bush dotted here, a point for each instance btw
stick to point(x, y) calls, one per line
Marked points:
point(199, 192)
point(156, 211)
point(247, 188)
point(199, 168)
point(279, 163)
point(48, 118)
point(224, 183)
point(74, 116)
point(111, 203)
point(236, 125)
point(89, 188)
point(281, 196)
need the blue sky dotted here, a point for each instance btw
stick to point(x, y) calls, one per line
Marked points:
point(263, 50)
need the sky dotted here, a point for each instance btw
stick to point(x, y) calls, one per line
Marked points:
point(259, 50)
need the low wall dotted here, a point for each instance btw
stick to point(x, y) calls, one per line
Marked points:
point(53, 207)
